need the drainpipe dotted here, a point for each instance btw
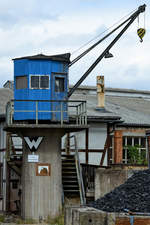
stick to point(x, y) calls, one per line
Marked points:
point(100, 92)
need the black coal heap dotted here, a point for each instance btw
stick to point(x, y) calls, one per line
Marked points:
point(133, 195)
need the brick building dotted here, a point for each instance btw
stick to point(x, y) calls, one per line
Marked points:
point(133, 108)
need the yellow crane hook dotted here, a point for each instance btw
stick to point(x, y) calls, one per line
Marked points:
point(141, 32)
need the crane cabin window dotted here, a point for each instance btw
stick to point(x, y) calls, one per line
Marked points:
point(44, 82)
point(35, 82)
point(21, 82)
point(59, 84)
point(39, 82)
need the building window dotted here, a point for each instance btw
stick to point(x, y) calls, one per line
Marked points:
point(21, 82)
point(59, 84)
point(39, 82)
point(140, 144)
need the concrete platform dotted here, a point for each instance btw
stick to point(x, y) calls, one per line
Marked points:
point(65, 127)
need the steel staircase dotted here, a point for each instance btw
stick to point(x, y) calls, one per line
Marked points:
point(72, 175)
point(69, 176)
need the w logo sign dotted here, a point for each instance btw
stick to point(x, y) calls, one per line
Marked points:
point(33, 142)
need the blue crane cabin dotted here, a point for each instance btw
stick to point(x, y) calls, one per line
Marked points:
point(40, 86)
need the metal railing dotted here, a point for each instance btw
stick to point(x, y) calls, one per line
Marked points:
point(66, 111)
point(79, 173)
point(88, 173)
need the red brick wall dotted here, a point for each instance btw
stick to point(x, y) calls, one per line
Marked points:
point(118, 142)
point(118, 150)
point(137, 221)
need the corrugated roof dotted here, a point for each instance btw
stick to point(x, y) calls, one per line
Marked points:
point(131, 110)
point(61, 57)
point(109, 89)
point(92, 109)
point(6, 94)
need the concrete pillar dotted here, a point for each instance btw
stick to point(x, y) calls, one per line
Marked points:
point(118, 148)
point(42, 195)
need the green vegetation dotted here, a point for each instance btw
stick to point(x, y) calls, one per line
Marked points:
point(58, 220)
point(27, 221)
point(2, 218)
point(136, 157)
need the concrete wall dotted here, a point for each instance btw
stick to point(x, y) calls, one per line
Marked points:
point(91, 216)
point(42, 195)
point(108, 179)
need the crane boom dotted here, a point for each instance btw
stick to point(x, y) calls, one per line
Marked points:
point(131, 20)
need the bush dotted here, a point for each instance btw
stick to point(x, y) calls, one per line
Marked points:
point(58, 220)
point(135, 157)
point(2, 218)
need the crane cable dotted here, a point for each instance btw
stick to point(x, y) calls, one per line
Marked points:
point(141, 31)
point(102, 39)
point(99, 41)
point(82, 46)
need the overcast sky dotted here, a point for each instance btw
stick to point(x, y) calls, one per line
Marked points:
point(29, 27)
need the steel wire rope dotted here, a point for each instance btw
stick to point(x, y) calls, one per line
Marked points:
point(90, 48)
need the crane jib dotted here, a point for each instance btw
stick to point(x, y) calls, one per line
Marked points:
point(131, 19)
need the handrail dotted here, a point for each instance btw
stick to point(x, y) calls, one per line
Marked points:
point(80, 114)
point(79, 174)
point(25, 100)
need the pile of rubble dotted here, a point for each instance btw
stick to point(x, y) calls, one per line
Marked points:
point(133, 195)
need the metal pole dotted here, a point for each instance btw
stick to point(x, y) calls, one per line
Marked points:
point(61, 112)
point(11, 113)
point(36, 112)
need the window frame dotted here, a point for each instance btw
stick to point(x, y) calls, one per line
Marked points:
point(40, 75)
point(125, 159)
point(59, 78)
point(21, 76)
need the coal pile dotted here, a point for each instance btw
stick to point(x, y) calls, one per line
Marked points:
point(133, 195)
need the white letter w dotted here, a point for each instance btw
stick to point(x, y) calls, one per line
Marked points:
point(33, 143)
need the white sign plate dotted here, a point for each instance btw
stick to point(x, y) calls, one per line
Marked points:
point(33, 158)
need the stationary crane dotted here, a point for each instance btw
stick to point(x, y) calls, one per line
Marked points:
point(105, 53)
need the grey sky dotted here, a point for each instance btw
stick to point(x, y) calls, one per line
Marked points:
point(53, 27)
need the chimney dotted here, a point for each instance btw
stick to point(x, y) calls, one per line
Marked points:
point(100, 92)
